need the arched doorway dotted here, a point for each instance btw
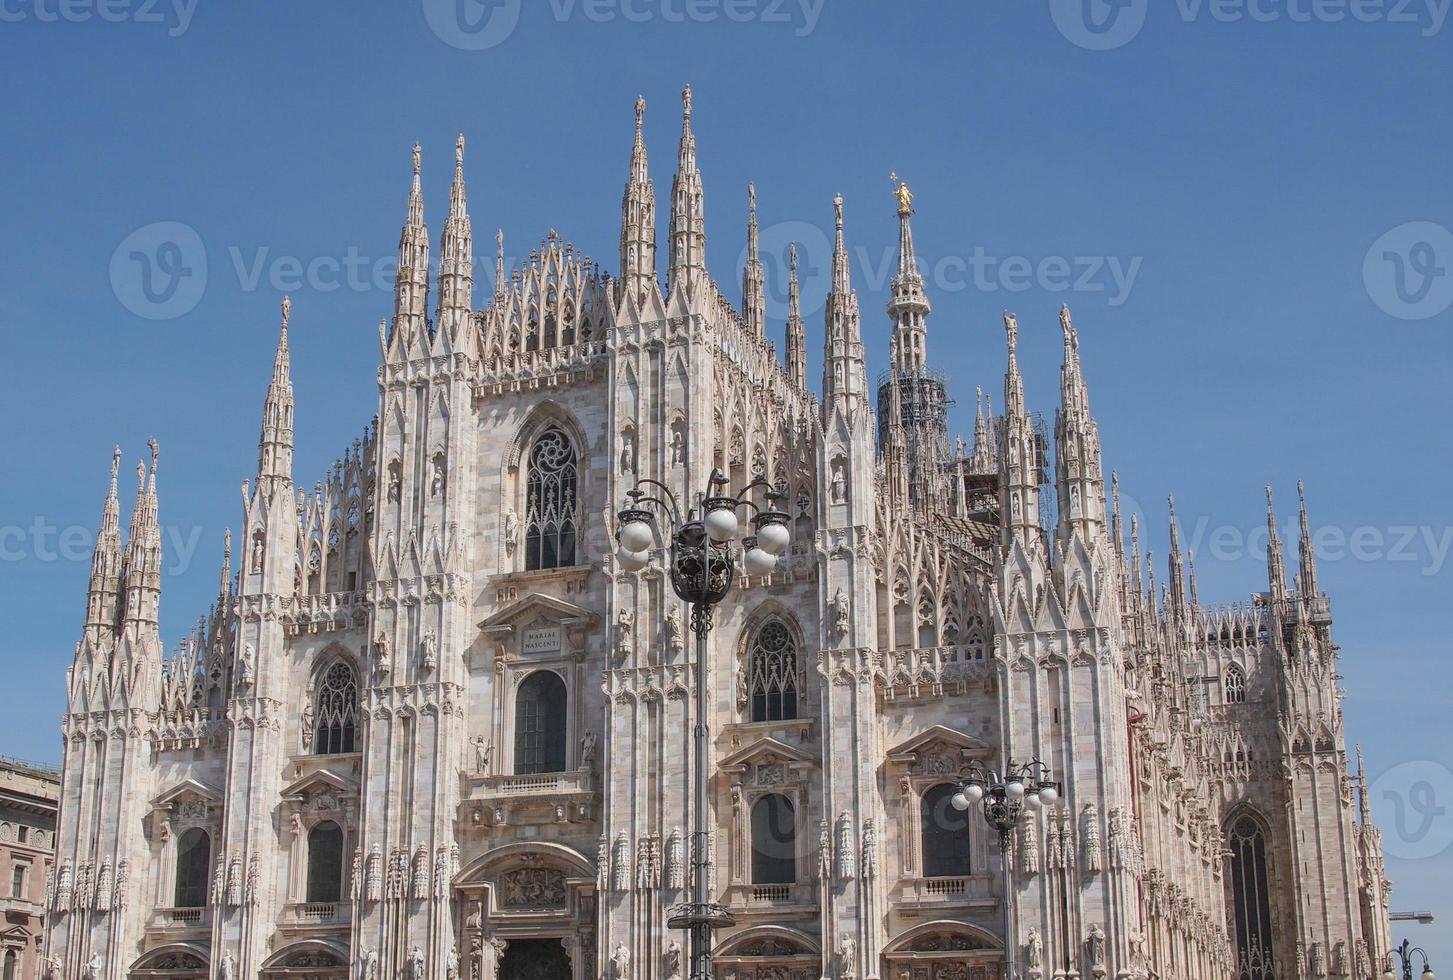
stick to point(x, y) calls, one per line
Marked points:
point(535, 959)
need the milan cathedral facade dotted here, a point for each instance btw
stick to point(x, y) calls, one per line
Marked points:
point(431, 730)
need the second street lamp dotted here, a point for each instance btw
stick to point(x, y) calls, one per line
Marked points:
point(703, 566)
point(1004, 798)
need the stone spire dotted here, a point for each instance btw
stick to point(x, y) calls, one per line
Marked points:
point(1275, 559)
point(456, 253)
point(1079, 478)
point(499, 263)
point(638, 217)
point(143, 552)
point(844, 376)
point(104, 590)
point(275, 445)
point(1019, 451)
point(224, 583)
point(908, 305)
point(688, 221)
point(754, 282)
point(1176, 578)
point(1306, 552)
point(411, 285)
point(796, 333)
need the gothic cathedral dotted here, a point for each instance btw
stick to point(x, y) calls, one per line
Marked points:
point(432, 730)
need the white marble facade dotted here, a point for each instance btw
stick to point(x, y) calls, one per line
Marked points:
point(429, 732)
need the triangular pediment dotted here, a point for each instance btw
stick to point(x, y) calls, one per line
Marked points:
point(186, 788)
point(320, 781)
point(535, 607)
point(938, 740)
point(764, 748)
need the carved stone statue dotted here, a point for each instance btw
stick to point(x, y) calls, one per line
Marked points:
point(620, 962)
point(246, 666)
point(587, 752)
point(512, 531)
point(840, 613)
point(229, 965)
point(370, 964)
point(1035, 951)
point(428, 651)
point(416, 964)
point(373, 881)
point(848, 958)
point(483, 755)
point(93, 968)
point(678, 446)
point(1095, 949)
point(870, 850)
point(824, 851)
point(451, 965)
point(307, 725)
point(382, 664)
point(674, 960)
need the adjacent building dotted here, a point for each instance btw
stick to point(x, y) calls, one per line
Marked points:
point(28, 794)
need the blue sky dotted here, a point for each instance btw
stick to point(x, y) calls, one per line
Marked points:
point(1247, 206)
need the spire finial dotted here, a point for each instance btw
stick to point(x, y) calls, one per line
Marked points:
point(837, 205)
point(115, 467)
point(686, 103)
point(459, 151)
point(1011, 328)
point(287, 308)
point(418, 151)
point(791, 266)
point(903, 194)
point(640, 114)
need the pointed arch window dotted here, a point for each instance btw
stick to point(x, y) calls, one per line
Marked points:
point(774, 841)
point(551, 488)
point(194, 856)
point(1235, 684)
point(337, 712)
point(945, 835)
point(325, 863)
point(772, 674)
point(1251, 900)
point(540, 724)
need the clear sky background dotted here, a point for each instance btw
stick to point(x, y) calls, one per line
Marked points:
point(1273, 192)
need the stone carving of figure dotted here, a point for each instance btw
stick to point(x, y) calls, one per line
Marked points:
point(678, 446)
point(382, 665)
point(428, 656)
point(1360, 962)
point(219, 882)
point(847, 850)
point(676, 860)
point(1095, 947)
point(839, 481)
point(587, 752)
point(436, 479)
point(395, 480)
point(307, 725)
point(123, 872)
point(620, 962)
point(848, 958)
point(370, 964)
point(628, 452)
point(1036, 951)
point(246, 666)
point(421, 872)
point(229, 965)
point(824, 851)
point(416, 963)
point(840, 613)
point(870, 850)
point(483, 755)
point(673, 960)
point(234, 881)
point(53, 969)
point(673, 629)
point(93, 968)
point(257, 552)
point(1091, 820)
point(512, 530)
point(373, 882)
point(625, 626)
point(451, 965)
point(621, 860)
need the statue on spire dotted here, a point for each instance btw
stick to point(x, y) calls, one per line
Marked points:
point(904, 195)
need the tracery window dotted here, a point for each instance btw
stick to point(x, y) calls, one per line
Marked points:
point(1251, 890)
point(337, 712)
point(945, 835)
point(325, 863)
point(774, 841)
point(540, 724)
point(550, 502)
point(194, 854)
point(1235, 684)
point(772, 674)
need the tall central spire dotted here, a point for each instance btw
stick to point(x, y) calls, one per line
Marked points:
point(275, 445)
point(908, 306)
point(411, 284)
point(143, 553)
point(754, 282)
point(688, 222)
point(1019, 453)
point(1079, 477)
point(638, 217)
point(101, 597)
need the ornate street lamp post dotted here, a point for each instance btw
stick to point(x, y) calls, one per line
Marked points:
point(703, 565)
point(1004, 798)
point(1404, 953)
